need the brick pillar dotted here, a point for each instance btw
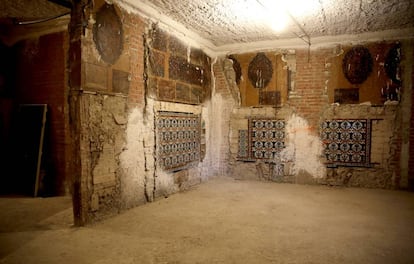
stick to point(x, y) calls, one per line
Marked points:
point(409, 67)
point(79, 184)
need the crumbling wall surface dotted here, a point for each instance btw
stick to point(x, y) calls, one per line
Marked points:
point(224, 98)
point(303, 150)
point(103, 136)
point(106, 95)
point(314, 76)
point(408, 108)
point(136, 179)
point(408, 65)
point(169, 182)
point(385, 131)
point(301, 156)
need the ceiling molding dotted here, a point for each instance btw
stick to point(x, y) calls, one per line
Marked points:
point(145, 9)
point(317, 42)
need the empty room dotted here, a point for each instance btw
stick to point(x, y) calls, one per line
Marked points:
point(206, 131)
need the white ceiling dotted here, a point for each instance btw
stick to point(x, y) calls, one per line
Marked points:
point(233, 25)
point(223, 26)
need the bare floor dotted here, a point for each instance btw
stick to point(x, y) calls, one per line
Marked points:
point(221, 221)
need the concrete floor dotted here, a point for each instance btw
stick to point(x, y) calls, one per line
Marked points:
point(221, 221)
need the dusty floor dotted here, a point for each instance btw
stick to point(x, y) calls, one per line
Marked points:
point(221, 221)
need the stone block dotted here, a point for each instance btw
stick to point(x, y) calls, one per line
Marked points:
point(152, 87)
point(159, 39)
point(177, 48)
point(95, 77)
point(180, 177)
point(346, 96)
point(156, 63)
point(95, 202)
point(196, 95)
point(269, 98)
point(104, 170)
point(120, 82)
point(180, 69)
point(166, 90)
point(182, 93)
point(198, 57)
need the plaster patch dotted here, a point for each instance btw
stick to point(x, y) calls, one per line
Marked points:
point(164, 183)
point(104, 171)
point(303, 148)
point(132, 160)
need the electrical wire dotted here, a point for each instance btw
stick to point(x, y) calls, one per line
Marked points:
point(39, 20)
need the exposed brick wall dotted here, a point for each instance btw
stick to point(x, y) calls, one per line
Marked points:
point(222, 106)
point(411, 142)
point(220, 80)
point(316, 74)
point(41, 79)
point(134, 29)
point(174, 75)
point(310, 84)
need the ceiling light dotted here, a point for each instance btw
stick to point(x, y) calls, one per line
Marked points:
point(278, 11)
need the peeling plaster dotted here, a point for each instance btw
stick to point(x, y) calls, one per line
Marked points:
point(133, 172)
point(303, 148)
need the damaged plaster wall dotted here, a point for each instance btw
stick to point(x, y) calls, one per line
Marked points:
point(384, 133)
point(303, 149)
point(301, 156)
point(313, 78)
point(103, 139)
point(225, 96)
point(137, 182)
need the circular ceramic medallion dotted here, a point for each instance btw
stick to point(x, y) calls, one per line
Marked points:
point(107, 33)
point(357, 65)
point(260, 71)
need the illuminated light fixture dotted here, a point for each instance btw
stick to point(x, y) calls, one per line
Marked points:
point(279, 11)
point(278, 19)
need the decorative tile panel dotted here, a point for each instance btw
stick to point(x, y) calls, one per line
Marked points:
point(267, 138)
point(264, 140)
point(347, 142)
point(243, 152)
point(178, 140)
